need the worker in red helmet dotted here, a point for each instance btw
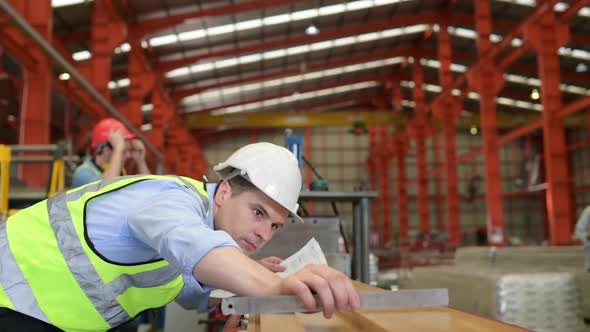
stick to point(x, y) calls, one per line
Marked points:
point(112, 146)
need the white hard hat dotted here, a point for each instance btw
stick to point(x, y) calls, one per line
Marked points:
point(271, 168)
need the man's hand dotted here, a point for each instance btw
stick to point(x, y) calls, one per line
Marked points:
point(137, 151)
point(272, 263)
point(334, 289)
point(228, 268)
point(138, 155)
point(117, 140)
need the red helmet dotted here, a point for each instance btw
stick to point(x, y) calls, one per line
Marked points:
point(101, 131)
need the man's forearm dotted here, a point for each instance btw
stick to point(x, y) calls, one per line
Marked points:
point(228, 268)
point(115, 165)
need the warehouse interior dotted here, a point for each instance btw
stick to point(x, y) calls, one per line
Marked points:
point(442, 144)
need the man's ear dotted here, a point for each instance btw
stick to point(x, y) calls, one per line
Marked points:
point(223, 193)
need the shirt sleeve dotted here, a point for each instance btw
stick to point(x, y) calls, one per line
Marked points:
point(193, 296)
point(83, 176)
point(174, 224)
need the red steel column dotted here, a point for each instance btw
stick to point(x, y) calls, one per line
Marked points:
point(308, 155)
point(397, 97)
point(448, 115)
point(420, 137)
point(35, 118)
point(374, 169)
point(307, 152)
point(487, 81)
point(440, 225)
point(400, 145)
point(186, 152)
point(173, 150)
point(546, 36)
point(384, 160)
point(142, 81)
point(108, 32)
point(159, 111)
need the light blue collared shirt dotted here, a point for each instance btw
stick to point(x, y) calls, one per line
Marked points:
point(157, 219)
point(87, 172)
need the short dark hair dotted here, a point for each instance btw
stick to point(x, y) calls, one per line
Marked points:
point(239, 185)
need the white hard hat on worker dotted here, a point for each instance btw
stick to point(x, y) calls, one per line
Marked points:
point(269, 167)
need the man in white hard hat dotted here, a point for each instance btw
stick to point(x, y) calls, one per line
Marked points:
point(96, 256)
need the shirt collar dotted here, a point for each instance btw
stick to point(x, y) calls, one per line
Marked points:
point(210, 187)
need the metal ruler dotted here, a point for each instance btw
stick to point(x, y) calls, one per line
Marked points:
point(239, 305)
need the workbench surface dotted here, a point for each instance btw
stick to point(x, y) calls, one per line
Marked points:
point(436, 319)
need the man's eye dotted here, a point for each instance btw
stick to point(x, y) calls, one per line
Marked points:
point(257, 212)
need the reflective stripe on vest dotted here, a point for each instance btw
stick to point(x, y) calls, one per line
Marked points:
point(49, 271)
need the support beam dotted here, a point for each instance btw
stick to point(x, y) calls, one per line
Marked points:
point(487, 81)
point(546, 36)
point(282, 118)
point(374, 171)
point(142, 83)
point(308, 153)
point(440, 224)
point(418, 132)
point(493, 52)
point(161, 115)
point(35, 110)
point(385, 161)
point(108, 32)
point(400, 144)
point(448, 110)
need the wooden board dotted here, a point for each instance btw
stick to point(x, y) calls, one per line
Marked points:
point(438, 319)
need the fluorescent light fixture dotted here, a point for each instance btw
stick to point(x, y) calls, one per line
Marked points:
point(208, 96)
point(122, 83)
point(146, 127)
point(475, 96)
point(289, 99)
point(560, 6)
point(82, 55)
point(517, 42)
point(272, 20)
point(63, 3)
point(212, 95)
point(275, 54)
point(163, 40)
point(408, 103)
point(64, 76)
point(123, 48)
point(518, 79)
point(574, 53)
point(312, 30)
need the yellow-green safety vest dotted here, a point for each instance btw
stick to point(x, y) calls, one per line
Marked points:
point(48, 269)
